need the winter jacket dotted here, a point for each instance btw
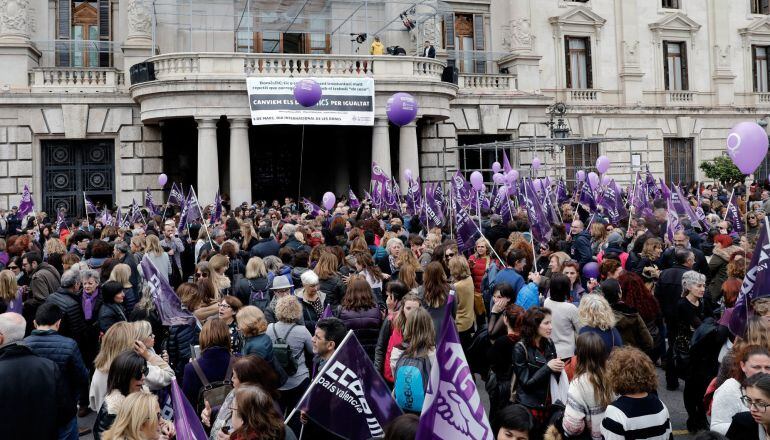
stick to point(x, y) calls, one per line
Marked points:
point(511, 277)
point(532, 373)
point(365, 325)
point(135, 279)
point(718, 270)
point(611, 337)
point(213, 362)
point(669, 290)
point(478, 267)
point(180, 340)
point(260, 345)
point(581, 248)
point(107, 413)
point(130, 300)
point(265, 247)
point(73, 323)
point(65, 353)
point(496, 232)
point(309, 313)
point(245, 287)
point(381, 349)
point(33, 402)
point(464, 298)
point(334, 290)
point(633, 331)
point(528, 296)
point(110, 314)
point(44, 282)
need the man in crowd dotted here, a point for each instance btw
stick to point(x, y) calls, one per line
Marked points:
point(266, 246)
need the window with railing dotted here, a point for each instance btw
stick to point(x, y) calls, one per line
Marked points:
point(675, 65)
point(678, 160)
point(83, 33)
point(580, 157)
point(578, 62)
point(760, 68)
point(465, 43)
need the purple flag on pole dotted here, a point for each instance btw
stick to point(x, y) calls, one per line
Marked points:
point(506, 164)
point(182, 215)
point(378, 182)
point(462, 190)
point(353, 200)
point(664, 190)
point(433, 215)
point(673, 223)
point(193, 208)
point(587, 198)
point(541, 229)
point(327, 313)
point(756, 283)
point(734, 216)
point(310, 207)
point(652, 188)
point(217, 214)
point(685, 206)
point(452, 408)
point(413, 197)
point(353, 400)
point(612, 204)
point(60, 220)
point(90, 207)
point(561, 192)
point(465, 230)
point(186, 422)
point(26, 205)
point(105, 217)
point(166, 302)
point(149, 202)
point(136, 213)
point(505, 207)
point(176, 196)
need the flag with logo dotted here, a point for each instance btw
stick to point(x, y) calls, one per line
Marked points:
point(136, 213)
point(465, 230)
point(176, 196)
point(90, 207)
point(413, 197)
point(561, 192)
point(167, 303)
point(349, 396)
point(105, 217)
point(217, 214)
point(432, 215)
point(587, 198)
point(353, 200)
point(26, 204)
point(756, 283)
point(734, 215)
point(612, 203)
point(311, 208)
point(149, 202)
point(673, 224)
point(61, 222)
point(538, 224)
point(452, 408)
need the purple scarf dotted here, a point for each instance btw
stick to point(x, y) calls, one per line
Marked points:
point(88, 303)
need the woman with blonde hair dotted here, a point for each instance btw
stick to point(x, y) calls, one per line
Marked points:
point(119, 338)
point(53, 251)
point(137, 246)
point(218, 264)
point(598, 234)
point(253, 326)
point(249, 236)
point(254, 287)
point(596, 316)
point(121, 273)
point(409, 270)
point(419, 345)
point(159, 373)
point(463, 286)
point(329, 278)
point(10, 293)
point(157, 256)
point(556, 261)
point(139, 419)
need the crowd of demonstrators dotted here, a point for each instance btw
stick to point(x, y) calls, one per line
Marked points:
point(272, 291)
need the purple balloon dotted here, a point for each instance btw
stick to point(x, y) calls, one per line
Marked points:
point(591, 270)
point(512, 175)
point(329, 200)
point(747, 146)
point(536, 163)
point(401, 108)
point(408, 174)
point(603, 164)
point(606, 180)
point(477, 180)
point(593, 180)
point(503, 191)
point(538, 184)
point(580, 175)
point(498, 178)
point(496, 167)
point(307, 92)
point(162, 179)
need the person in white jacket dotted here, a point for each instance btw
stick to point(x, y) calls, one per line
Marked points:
point(566, 323)
point(750, 360)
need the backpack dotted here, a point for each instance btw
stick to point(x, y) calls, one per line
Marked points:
point(411, 381)
point(282, 352)
point(259, 298)
point(213, 392)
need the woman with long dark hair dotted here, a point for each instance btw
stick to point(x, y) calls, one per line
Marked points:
point(126, 376)
point(254, 417)
point(435, 292)
point(360, 313)
point(565, 316)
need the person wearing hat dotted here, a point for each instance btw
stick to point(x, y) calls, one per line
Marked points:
point(614, 246)
point(281, 287)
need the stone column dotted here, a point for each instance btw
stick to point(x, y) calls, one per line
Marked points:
point(137, 46)
point(208, 161)
point(240, 162)
point(381, 144)
point(407, 154)
point(17, 53)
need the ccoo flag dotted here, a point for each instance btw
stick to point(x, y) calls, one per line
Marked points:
point(734, 216)
point(357, 403)
point(756, 283)
point(452, 408)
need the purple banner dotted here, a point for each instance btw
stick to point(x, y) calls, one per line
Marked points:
point(673, 223)
point(311, 208)
point(186, 422)
point(352, 199)
point(26, 204)
point(734, 216)
point(756, 283)
point(561, 192)
point(176, 196)
point(465, 230)
point(217, 214)
point(90, 207)
point(167, 303)
point(351, 398)
point(538, 224)
point(149, 203)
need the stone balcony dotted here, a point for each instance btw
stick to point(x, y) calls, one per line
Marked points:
point(475, 83)
point(75, 80)
point(213, 84)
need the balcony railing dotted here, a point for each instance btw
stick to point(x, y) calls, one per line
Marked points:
point(482, 83)
point(583, 95)
point(76, 79)
point(681, 97)
point(763, 98)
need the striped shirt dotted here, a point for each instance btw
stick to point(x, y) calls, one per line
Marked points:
point(637, 418)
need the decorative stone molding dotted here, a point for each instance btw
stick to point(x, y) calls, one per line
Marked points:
point(674, 25)
point(139, 23)
point(517, 34)
point(14, 20)
point(578, 17)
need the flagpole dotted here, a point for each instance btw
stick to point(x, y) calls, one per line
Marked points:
point(729, 202)
point(633, 196)
point(211, 242)
point(326, 366)
point(490, 244)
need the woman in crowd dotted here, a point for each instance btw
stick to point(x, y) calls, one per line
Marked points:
point(392, 332)
point(10, 294)
point(111, 310)
point(253, 326)
point(54, 251)
point(159, 373)
point(254, 288)
point(534, 363)
point(597, 316)
point(329, 279)
point(753, 359)
point(365, 266)
point(247, 371)
point(598, 234)
point(637, 412)
point(723, 250)
point(628, 322)
point(463, 287)
point(755, 423)
point(590, 391)
point(121, 274)
point(228, 309)
point(253, 417)
point(513, 422)
point(218, 264)
point(393, 247)
point(299, 341)
point(157, 256)
point(311, 298)
point(418, 347)
point(119, 338)
point(572, 270)
point(139, 419)
point(213, 361)
point(435, 292)
point(565, 316)
point(409, 270)
point(649, 256)
point(360, 313)
point(127, 374)
point(502, 296)
point(479, 262)
point(499, 355)
point(637, 296)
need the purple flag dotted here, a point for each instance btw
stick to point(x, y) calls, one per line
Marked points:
point(166, 302)
point(26, 204)
point(90, 207)
point(756, 283)
point(587, 198)
point(734, 215)
point(149, 203)
point(506, 164)
point(327, 313)
point(176, 196)
point(182, 215)
point(311, 207)
point(613, 204)
point(353, 400)
point(186, 422)
point(465, 230)
point(60, 221)
point(353, 200)
point(105, 218)
point(640, 198)
point(685, 207)
point(390, 197)
point(432, 215)
point(378, 182)
point(664, 190)
point(413, 197)
point(217, 215)
point(673, 223)
point(549, 207)
point(505, 207)
point(452, 408)
point(541, 229)
point(462, 190)
point(136, 213)
point(653, 191)
point(561, 192)
point(440, 200)
point(193, 207)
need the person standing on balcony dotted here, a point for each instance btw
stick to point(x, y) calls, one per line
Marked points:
point(428, 50)
point(377, 47)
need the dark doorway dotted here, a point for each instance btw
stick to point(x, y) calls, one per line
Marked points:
point(72, 169)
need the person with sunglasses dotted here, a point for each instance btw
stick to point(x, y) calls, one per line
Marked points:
point(127, 374)
point(754, 423)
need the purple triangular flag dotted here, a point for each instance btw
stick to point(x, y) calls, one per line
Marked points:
point(327, 312)
point(756, 283)
point(167, 303)
point(186, 421)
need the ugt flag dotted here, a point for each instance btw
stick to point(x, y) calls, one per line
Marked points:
point(26, 205)
point(756, 283)
point(349, 397)
point(452, 408)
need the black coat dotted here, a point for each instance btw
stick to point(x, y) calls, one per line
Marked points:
point(669, 290)
point(334, 289)
point(135, 279)
point(701, 265)
point(264, 248)
point(73, 323)
point(496, 232)
point(110, 314)
point(65, 353)
point(179, 342)
point(743, 427)
point(532, 374)
point(33, 402)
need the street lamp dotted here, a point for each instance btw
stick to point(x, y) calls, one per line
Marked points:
point(559, 129)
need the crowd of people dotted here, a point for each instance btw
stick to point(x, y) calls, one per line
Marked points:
point(561, 354)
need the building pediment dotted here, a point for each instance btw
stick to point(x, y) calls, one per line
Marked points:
point(578, 16)
point(758, 27)
point(676, 22)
